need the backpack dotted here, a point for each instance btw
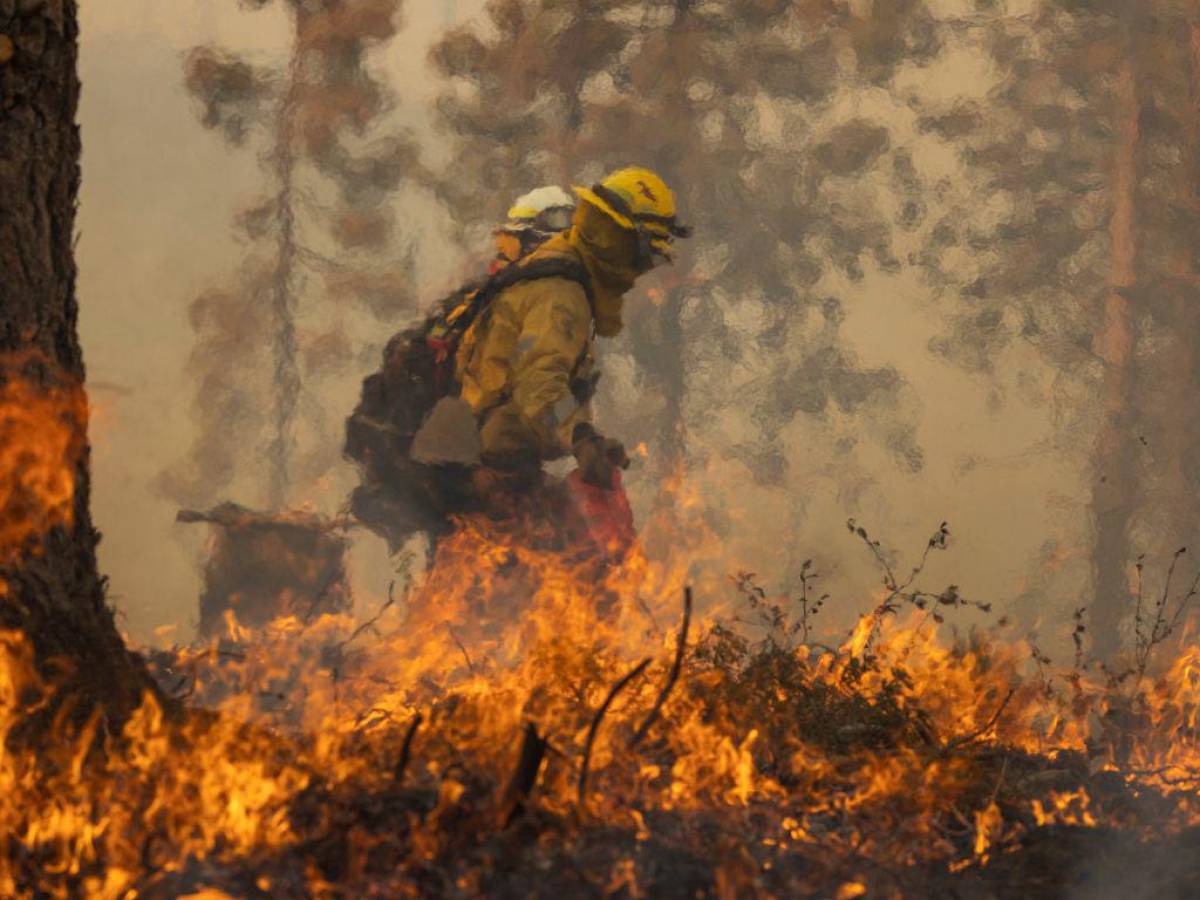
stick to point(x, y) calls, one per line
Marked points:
point(418, 370)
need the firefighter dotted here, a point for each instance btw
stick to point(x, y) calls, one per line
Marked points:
point(399, 495)
point(467, 407)
point(525, 366)
point(533, 219)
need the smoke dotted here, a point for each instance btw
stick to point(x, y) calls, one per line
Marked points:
point(322, 244)
point(740, 107)
point(888, 308)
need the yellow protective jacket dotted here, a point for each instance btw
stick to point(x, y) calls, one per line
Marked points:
point(517, 362)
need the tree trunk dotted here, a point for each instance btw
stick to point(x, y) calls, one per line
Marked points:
point(1181, 451)
point(1114, 481)
point(49, 586)
point(286, 379)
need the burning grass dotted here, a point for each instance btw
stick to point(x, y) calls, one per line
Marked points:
point(530, 722)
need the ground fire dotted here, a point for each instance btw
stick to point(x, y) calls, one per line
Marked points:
point(510, 724)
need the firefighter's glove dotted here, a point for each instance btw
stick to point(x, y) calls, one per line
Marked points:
point(598, 457)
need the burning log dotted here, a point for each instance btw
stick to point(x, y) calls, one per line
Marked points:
point(265, 565)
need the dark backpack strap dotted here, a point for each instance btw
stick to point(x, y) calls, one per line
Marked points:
point(536, 269)
point(533, 269)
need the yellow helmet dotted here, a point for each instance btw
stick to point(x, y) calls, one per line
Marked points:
point(639, 200)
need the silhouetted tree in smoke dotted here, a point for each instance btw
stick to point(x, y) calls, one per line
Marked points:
point(50, 590)
point(516, 100)
point(318, 121)
point(1165, 294)
point(1016, 250)
point(718, 97)
point(1080, 225)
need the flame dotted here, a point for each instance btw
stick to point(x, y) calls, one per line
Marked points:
point(42, 432)
point(860, 636)
point(885, 748)
point(989, 825)
point(1066, 808)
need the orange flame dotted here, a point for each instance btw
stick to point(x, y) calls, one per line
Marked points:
point(872, 750)
point(42, 432)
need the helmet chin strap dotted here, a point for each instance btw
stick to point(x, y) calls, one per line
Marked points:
point(645, 253)
point(648, 256)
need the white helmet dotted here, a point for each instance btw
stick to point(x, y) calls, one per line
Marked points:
point(542, 212)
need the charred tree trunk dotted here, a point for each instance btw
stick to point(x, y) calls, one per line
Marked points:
point(51, 590)
point(1114, 480)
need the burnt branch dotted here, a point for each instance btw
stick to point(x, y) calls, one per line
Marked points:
point(371, 622)
point(524, 777)
point(983, 729)
point(461, 647)
point(581, 789)
point(1149, 634)
point(676, 667)
point(406, 748)
point(899, 593)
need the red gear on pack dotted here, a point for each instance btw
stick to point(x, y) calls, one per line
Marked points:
point(602, 513)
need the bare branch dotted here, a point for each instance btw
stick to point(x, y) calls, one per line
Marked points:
point(524, 777)
point(676, 667)
point(637, 670)
point(406, 748)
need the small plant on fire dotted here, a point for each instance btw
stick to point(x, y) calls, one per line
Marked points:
point(1151, 627)
point(901, 593)
point(786, 691)
point(782, 627)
